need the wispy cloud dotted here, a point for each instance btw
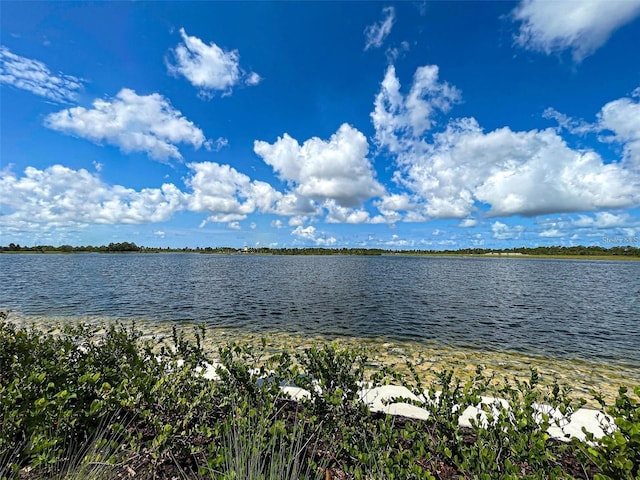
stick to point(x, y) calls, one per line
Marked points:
point(35, 77)
point(376, 33)
point(579, 26)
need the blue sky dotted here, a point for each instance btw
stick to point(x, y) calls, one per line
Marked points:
point(430, 125)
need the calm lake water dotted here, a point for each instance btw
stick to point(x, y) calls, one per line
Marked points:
point(586, 310)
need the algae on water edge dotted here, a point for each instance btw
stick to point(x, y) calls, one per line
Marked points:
point(427, 358)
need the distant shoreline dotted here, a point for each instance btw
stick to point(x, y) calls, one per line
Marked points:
point(491, 255)
point(578, 252)
point(533, 257)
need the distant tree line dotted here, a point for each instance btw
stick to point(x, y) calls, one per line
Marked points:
point(577, 250)
point(111, 248)
point(130, 247)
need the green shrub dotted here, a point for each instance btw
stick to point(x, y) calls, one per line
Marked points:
point(512, 440)
point(89, 402)
point(617, 454)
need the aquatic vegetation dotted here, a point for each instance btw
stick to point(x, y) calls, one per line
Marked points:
point(109, 401)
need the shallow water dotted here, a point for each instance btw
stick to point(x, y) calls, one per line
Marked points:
point(582, 377)
point(587, 311)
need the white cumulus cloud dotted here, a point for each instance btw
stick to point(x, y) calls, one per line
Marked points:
point(338, 214)
point(580, 26)
point(376, 33)
point(226, 194)
point(399, 119)
point(468, 222)
point(455, 170)
point(311, 234)
point(391, 206)
point(209, 68)
point(589, 227)
point(605, 220)
point(35, 77)
point(62, 197)
point(132, 122)
point(622, 118)
point(502, 231)
point(551, 233)
point(336, 169)
point(526, 173)
point(617, 122)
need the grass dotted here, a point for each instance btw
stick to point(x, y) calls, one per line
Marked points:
point(258, 448)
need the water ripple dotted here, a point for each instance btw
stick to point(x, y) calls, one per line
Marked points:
point(572, 309)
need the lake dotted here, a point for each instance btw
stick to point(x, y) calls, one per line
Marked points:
point(584, 310)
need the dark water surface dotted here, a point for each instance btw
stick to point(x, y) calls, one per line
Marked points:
point(582, 309)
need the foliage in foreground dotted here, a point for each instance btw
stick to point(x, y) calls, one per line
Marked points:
point(84, 403)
